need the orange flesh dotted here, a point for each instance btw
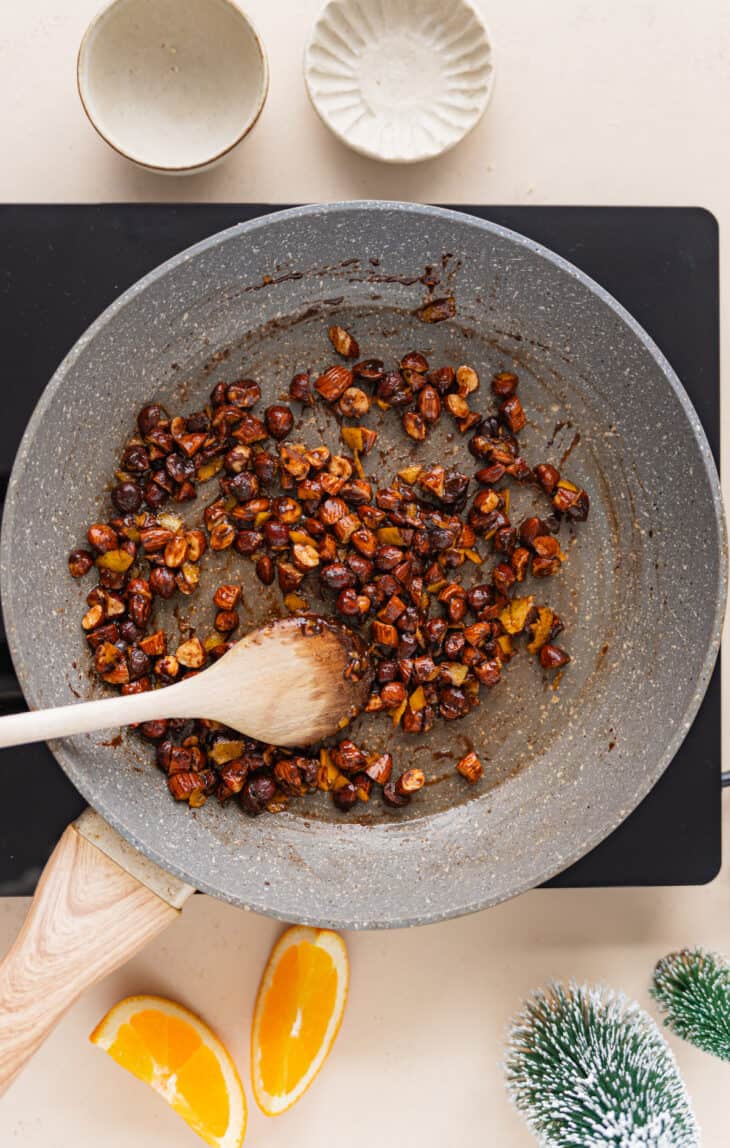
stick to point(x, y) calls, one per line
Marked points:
point(156, 1047)
point(297, 1009)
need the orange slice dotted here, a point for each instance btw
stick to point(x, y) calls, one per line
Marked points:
point(299, 1009)
point(177, 1055)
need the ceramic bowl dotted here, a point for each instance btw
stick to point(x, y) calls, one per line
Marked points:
point(172, 85)
point(399, 80)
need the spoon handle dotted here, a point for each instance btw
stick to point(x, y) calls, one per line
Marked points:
point(106, 713)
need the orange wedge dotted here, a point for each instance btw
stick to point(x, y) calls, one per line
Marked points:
point(299, 1009)
point(175, 1053)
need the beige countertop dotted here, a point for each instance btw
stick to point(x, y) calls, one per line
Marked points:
point(627, 102)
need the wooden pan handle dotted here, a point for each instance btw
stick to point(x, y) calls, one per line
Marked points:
point(88, 916)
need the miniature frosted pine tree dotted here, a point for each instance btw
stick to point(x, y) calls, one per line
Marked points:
point(588, 1069)
point(693, 991)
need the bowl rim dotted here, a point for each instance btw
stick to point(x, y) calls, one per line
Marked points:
point(179, 169)
point(371, 153)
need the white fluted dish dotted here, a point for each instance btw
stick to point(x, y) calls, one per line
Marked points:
point(399, 80)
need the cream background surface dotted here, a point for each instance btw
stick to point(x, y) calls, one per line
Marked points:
point(627, 102)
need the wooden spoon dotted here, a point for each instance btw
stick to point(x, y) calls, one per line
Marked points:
point(290, 683)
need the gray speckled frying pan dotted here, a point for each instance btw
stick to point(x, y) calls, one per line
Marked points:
point(642, 593)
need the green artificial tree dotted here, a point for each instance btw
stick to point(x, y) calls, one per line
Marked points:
point(588, 1069)
point(692, 988)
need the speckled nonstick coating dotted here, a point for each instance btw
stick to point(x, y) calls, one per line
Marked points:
point(642, 594)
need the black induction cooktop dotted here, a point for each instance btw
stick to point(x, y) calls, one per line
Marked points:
point(61, 265)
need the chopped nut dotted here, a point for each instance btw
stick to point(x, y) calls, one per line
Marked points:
point(410, 782)
point(545, 567)
point(346, 526)
point(552, 657)
point(393, 694)
point(370, 369)
point(196, 544)
point(414, 361)
point(333, 383)
point(380, 768)
point(567, 500)
point(470, 767)
point(182, 786)
point(345, 796)
point(519, 562)
point(154, 644)
point(392, 797)
point(489, 671)
point(79, 563)
point(504, 577)
point(279, 420)
point(249, 541)
point(176, 551)
point(429, 404)
point(548, 477)
point(233, 775)
point(300, 390)
point(102, 537)
point(478, 632)
point(288, 576)
point(389, 555)
point(487, 500)
point(354, 403)
point(155, 538)
point(437, 310)
point(222, 535)
point(513, 414)
point(453, 673)
point(364, 541)
point(343, 342)
point(293, 459)
point(250, 430)
point(467, 380)
point(363, 785)
point(265, 570)
point(504, 384)
point(457, 406)
point(226, 621)
point(318, 457)
point(348, 757)
point(384, 634)
point(339, 466)
point(93, 617)
point(226, 596)
point(489, 475)
point(414, 426)
point(191, 654)
point(305, 557)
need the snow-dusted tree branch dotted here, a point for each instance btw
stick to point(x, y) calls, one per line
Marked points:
point(693, 991)
point(589, 1069)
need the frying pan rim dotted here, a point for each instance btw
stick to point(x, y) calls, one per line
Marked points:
point(11, 608)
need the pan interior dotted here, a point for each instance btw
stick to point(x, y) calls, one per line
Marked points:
point(564, 763)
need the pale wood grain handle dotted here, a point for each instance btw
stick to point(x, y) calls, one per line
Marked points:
point(88, 916)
